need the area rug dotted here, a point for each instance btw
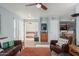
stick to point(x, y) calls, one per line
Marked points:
point(37, 51)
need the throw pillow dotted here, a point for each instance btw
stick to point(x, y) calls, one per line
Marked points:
point(61, 42)
point(11, 43)
point(5, 45)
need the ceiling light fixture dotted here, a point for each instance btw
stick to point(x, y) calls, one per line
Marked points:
point(29, 16)
point(38, 6)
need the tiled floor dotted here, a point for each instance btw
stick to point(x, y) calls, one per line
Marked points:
point(43, 44)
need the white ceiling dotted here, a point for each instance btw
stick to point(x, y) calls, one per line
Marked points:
point(54, 9)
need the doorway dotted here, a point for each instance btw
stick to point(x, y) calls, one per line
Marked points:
point(31, 29)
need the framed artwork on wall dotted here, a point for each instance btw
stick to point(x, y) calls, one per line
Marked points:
point(44, 27)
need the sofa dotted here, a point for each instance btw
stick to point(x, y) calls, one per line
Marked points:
point(57, 49)
point(12, 51)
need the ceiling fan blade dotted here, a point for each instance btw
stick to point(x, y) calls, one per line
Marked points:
point(31, 4)
point(43, 6)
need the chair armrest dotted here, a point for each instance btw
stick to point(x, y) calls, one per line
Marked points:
point(55, 48)
point(17, 42)
point(53, 42)
point(3, 54)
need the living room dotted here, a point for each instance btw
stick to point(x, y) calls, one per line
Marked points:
point(23, 32)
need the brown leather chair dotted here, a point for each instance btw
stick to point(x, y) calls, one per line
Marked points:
point(56, 48)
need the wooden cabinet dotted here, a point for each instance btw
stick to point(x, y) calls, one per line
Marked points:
point(74, 50)
point(44, 37)
point(44, 30)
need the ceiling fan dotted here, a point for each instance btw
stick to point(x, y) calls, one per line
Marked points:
point(38, 5)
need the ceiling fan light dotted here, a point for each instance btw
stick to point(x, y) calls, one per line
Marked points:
point(38, 6)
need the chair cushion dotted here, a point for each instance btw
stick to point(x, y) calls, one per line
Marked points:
point(61, 42)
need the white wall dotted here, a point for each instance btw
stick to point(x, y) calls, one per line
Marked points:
point(77, 30)
point(77, 25)
point(7, 22)
point(53, 29)
point(21, 30)
point(32, 26)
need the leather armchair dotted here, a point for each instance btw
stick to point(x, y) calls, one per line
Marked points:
point(58, 49)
